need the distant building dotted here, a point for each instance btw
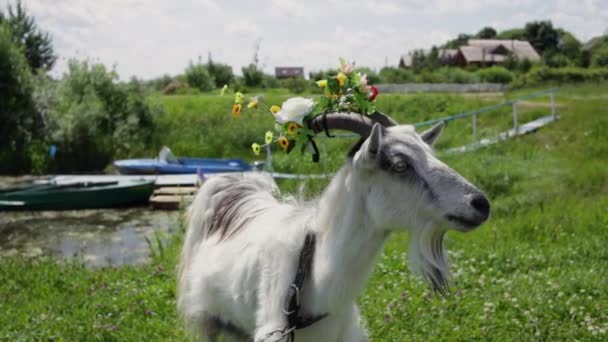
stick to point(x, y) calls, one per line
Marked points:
point(480, 52)
point(494, 51)
point(287, 72)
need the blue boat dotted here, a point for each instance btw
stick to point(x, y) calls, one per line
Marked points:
point(166, 163)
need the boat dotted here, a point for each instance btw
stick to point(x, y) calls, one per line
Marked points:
point(79, 195)
point(166, 163)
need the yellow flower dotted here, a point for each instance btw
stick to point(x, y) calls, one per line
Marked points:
point(236, 110)
point(269, 136)
point(275, 109)
point(224, 89)
point(284, 142)
point(341, 78)
point(238, 97)
point(256, 148)
point(253, 104)
point(322, 83)
point(292, 129)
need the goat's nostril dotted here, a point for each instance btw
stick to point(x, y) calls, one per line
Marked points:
point(480, 202)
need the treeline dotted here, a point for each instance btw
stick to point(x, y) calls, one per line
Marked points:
point(80, 122)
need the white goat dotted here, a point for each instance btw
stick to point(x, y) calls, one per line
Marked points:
point(241, 250)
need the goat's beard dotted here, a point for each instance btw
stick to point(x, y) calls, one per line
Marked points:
point(428, 257)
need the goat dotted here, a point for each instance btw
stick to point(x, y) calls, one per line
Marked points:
point(241, 248)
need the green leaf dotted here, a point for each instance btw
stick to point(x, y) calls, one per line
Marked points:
point(333, 85)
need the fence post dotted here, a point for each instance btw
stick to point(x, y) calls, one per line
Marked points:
point(515, 126)
point(475, 127)
point(552, 96)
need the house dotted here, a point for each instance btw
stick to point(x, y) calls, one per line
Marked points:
point(485, 52)
point(287, 72)
point(480, 52)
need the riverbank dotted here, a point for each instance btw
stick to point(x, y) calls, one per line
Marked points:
point(535, 271)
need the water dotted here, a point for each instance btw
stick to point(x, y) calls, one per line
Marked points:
point(95, 237)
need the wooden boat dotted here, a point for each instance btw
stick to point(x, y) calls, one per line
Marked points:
point(81, 195)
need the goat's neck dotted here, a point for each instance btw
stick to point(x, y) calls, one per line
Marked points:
point(348, 243)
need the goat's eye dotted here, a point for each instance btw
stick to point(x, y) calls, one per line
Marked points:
point(400, 167)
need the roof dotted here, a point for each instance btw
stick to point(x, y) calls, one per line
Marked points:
point(520, 48)
point(480, 54)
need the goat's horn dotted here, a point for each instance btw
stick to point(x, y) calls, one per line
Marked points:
point(383, 119)
point(353, 122)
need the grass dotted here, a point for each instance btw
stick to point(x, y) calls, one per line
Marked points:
point(535, 271)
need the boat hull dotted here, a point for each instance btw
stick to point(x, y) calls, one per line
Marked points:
point(183, 166)
point(78, 196)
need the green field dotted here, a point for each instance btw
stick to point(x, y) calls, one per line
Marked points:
point(536, 271)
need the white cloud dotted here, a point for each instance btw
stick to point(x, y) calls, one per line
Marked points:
point(148, 38)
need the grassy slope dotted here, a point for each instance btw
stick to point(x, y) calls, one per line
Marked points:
point(536, 270)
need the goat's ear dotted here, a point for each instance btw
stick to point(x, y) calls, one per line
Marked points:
point(430, 135)
point(375, 139)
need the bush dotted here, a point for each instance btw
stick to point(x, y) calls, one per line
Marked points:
point(600, 57)
point(20, 120)
point(221, 74)
point(396, 75)
point(457, 75)
point(271, 82)
point(296, 85)
point(495, 75)
point(198, 77)
point(427, 76)
point(93, 119)
point(562, 75)
point(252, 76)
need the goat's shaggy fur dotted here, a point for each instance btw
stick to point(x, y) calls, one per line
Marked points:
point(241, 249)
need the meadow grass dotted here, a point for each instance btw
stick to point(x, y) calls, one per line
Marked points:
point(535, 271)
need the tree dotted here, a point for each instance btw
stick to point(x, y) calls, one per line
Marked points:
point(569, 46)
point(461, 40)
point(20, 121)
point(542, 36)
point(37, 45)
point(486, 33)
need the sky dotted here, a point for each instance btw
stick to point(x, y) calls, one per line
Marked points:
point(149, 38)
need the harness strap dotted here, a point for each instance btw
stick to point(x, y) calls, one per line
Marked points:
point(294, 320)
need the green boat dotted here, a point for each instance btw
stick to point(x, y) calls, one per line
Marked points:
point(84, 195)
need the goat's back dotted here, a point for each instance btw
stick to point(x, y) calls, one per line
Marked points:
point(223, 206)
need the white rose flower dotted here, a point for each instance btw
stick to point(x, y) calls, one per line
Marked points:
point(294, 109)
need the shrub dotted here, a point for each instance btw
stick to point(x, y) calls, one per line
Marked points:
point(221, 74)
point(495, 75)
point(198, 76)
point(600, 57)
point(93, 119)
point(457, 75)
point(296, 85)
point(562, 75)
point(252, 76)
point(396, 75)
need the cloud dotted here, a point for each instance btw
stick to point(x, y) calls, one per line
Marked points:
point(149, 38)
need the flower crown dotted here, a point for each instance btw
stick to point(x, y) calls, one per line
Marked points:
point(348, 92)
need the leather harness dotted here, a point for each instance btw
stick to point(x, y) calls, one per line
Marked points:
point(295, 320)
